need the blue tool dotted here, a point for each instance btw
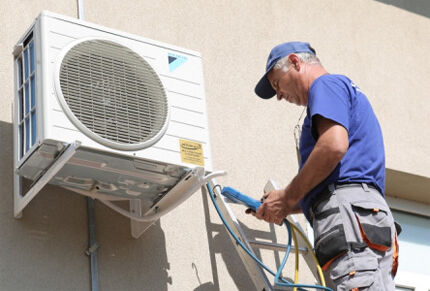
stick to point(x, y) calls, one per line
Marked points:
point(237, 197)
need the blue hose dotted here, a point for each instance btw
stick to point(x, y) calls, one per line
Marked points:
point(278, 279)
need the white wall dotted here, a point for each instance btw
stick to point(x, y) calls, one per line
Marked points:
point(383, 48)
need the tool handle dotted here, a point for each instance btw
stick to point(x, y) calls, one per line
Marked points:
point(238, 197)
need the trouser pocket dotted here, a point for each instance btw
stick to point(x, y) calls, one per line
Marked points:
point(330, 245)
point(375, 224)
point(358, 270)
point(329, 233)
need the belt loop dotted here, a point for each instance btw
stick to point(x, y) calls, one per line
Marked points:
point(365, 187)
point(331, 187)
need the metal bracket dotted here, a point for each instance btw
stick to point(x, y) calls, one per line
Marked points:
point(92, 249)
point(20, 200)
point(138, 227)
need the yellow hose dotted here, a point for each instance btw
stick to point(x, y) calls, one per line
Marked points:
point(308, 245)
point(296, 246)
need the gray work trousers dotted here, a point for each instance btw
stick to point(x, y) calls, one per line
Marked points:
point(355, 237)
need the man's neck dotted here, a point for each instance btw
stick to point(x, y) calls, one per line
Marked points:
point(316, 72)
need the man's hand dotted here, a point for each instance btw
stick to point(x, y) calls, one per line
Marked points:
point(276, 207)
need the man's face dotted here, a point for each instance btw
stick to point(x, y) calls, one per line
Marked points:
point(286, 83)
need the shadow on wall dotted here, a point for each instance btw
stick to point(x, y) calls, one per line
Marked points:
point(421, 7)
point(219, 242)
point(126, 263)
point(45, 249)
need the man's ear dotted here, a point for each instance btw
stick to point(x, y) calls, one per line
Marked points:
point(295, 60)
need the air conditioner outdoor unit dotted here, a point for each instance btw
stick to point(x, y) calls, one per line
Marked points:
point(109, 115)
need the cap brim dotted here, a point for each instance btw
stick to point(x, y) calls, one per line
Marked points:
point(263, 88)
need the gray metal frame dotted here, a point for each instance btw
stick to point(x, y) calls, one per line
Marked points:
point(21, 200)
point(256, 273)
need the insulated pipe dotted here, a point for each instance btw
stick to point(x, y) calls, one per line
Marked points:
point(80, 6)
point(92, 250)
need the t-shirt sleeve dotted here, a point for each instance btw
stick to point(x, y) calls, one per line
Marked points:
point(330, 99)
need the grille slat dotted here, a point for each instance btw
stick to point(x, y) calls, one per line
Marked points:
point(101, 95)
point(113, 92)
point(81, 76)
point(108, 104)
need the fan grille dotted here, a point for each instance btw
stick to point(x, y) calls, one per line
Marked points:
point(113, 92)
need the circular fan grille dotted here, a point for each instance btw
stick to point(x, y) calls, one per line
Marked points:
point(113, 92)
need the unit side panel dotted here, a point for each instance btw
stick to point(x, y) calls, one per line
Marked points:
point(204, 106)
point(28, 94)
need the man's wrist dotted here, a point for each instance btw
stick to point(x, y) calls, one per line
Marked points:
point(292, 196)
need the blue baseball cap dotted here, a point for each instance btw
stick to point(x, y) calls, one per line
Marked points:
point(263, 88)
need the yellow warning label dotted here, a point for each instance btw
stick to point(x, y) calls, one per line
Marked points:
point(191, 152)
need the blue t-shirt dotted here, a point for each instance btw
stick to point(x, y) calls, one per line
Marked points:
point(337, 98)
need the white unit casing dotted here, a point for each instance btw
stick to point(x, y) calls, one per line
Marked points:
point(136, 106)
point(54, 35)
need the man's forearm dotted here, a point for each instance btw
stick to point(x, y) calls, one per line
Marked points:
point(327, 153)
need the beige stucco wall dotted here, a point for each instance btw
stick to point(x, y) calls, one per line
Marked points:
point(383, 48)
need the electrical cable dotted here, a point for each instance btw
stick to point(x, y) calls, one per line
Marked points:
point(278, 279)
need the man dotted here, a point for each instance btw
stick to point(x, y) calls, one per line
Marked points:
point(340, 185)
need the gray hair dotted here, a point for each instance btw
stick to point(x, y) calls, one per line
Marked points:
point(307, 58)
